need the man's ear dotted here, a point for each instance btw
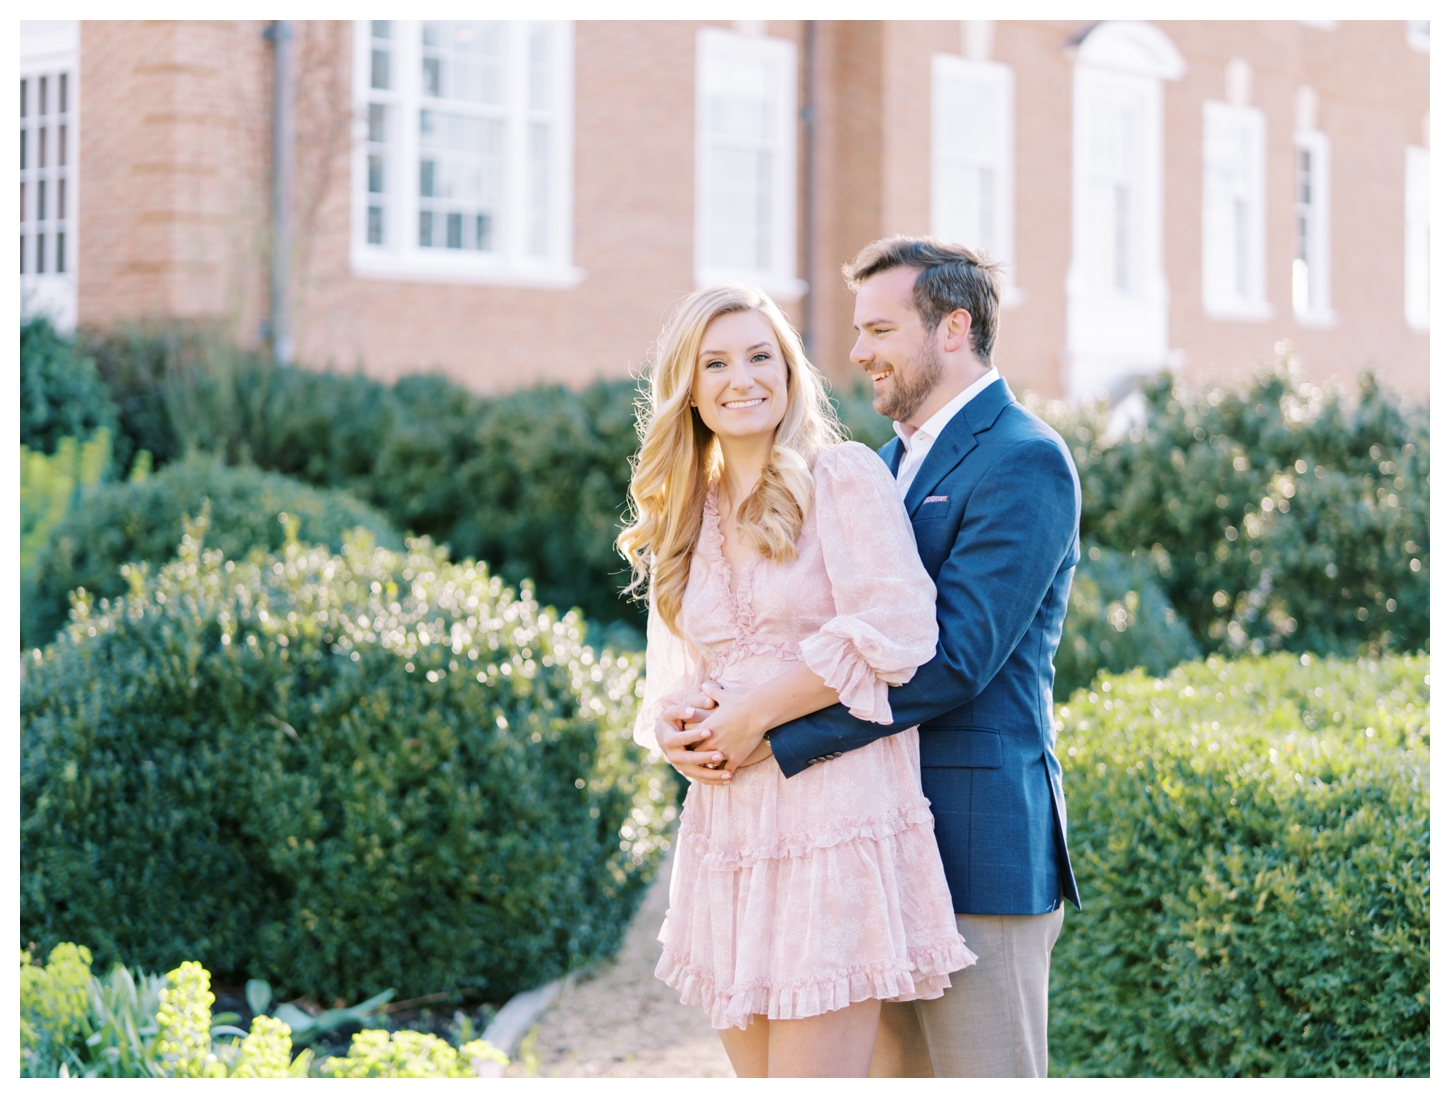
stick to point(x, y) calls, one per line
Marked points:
point(958, 329)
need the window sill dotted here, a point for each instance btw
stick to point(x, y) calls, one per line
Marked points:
point(780, 289)
point(461, 269)
point(1245, 311)
point(1324, 318)
point(1417, 325)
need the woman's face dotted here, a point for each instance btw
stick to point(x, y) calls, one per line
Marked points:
point(740, 377)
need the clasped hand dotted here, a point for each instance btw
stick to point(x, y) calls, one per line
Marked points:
point(708, 735)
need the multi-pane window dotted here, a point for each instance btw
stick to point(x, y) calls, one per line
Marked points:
point(1309, 274)
point(1114, 192)
point(971, 147)
point(1117, 284)
point(47, 203)
point(464, 167)
point(1233, 211)
point(1418, 200)
point(745, 160)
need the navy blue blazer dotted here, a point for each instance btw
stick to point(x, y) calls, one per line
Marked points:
point(995, 509)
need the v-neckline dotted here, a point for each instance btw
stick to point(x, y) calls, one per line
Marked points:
point(737, 594)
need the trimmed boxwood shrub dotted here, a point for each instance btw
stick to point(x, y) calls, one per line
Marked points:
point(119, 523)
point(336, 772)
point(1252, 843)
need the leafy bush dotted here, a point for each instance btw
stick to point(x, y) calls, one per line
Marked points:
point(117, 523)
point(1252, 843)
point(1118, 618)
point(1289, 516)
point(336, 773)
point(62, 394)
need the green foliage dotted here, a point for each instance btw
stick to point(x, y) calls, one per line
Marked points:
point(336, 773)
point(377, 1054)
point(1289, 516)
point(1252, 843)
point(141, 521)
point(862, 421)
point(1118, 618)
point(307, 1029)
point(62, 394)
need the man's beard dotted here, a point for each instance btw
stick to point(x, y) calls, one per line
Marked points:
point(907, 392)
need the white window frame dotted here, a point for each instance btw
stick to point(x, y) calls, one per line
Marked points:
point(1419, 201)
point(49, 48)
point(1114, 334)
point(1234, 283)
point(399, 257)
point(717, 46)
point(1417, 34)
point(946, 218)
point(1311, 297)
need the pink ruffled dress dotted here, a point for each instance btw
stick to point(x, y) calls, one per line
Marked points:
point(792, 898)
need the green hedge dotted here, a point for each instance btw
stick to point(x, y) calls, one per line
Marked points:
point(338, 773)
point(1251, 839)
point(62, 394)
point(118, 523)
point(1119, 618)
point(1288, 516)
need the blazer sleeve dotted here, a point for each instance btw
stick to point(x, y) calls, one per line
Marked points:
point(670, 667)
point(1016, 530)
point(885, 623)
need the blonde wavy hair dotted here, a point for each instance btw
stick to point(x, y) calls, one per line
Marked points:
point(679, 457)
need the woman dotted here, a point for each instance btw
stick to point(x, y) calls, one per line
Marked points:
point(779, 558)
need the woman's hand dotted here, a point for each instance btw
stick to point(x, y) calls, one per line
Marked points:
point(733, 728)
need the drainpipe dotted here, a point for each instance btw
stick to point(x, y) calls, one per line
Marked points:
point(284, 133)
point(808, 173)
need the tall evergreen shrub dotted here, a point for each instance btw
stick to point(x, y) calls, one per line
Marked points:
point(1291, 516)
point(336, 772)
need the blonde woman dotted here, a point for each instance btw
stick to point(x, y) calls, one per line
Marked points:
point(779, 558)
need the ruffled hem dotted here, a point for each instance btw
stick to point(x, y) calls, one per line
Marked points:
point(926, 975)
point(775, 848)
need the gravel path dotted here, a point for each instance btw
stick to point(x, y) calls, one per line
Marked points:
point(625, 1023)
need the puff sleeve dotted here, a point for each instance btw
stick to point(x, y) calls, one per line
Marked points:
point(885, 624)
point(670, 667)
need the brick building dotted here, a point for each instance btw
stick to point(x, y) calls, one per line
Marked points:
point(515, 202)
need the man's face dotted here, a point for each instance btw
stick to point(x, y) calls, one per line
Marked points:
point(893, 346)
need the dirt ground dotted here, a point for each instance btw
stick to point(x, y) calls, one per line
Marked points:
point(623, 1023)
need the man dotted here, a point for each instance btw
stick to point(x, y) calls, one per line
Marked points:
point(994, 502)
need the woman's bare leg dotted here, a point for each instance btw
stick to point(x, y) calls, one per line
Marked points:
point(748, 1048)
point(837, 1045)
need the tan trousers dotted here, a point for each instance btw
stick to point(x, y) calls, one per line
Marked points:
point(992, 1022)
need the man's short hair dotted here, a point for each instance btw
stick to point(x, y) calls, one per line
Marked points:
point(951, 277)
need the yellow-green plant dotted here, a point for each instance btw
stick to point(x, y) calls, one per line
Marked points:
point(53, 1007)
point(49, 483)
point(377, 1054)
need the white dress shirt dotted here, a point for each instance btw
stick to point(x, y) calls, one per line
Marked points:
point(917, 444)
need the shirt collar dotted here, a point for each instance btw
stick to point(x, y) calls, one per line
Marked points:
point(937, 423)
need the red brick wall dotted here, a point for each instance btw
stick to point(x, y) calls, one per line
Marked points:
point(174, 197)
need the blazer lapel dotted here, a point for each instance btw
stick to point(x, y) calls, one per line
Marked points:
point(957, 441)
point(892, 453)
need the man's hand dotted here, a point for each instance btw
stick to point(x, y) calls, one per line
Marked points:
point(676, 733)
